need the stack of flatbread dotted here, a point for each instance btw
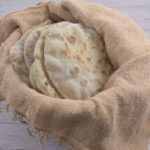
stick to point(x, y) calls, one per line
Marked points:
point(63, 60)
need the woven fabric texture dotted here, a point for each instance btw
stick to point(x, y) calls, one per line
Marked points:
point(115, 119)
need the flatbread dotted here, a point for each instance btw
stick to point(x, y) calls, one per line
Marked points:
point(38, 76)
point(39, 80)
point(17, 54)
point(63, 60)
point(30, 42)
point(17, 57)
point(75, 60)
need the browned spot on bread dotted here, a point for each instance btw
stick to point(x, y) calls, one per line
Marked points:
point(38, 32)
point(106, 61)
point(104, 72)
point(85, 82)
point(71, 39)
point(83, 49)
point(79, 58)
point(67, 49)
point(88, 59)
point(82, 61)
point(95, 68)
point(84, 46)
point(93, 46)
point(46, 83)
point(99, 61)
point(76, 70)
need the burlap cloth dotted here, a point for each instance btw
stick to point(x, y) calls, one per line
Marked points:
point(118, 118)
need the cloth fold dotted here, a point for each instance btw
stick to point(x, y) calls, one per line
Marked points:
point(115, 119)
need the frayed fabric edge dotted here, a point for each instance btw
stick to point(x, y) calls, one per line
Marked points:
point(33, 132)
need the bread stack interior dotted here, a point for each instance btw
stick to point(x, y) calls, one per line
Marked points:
point(62, 60)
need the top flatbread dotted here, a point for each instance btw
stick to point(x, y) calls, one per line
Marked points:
point(76, 60)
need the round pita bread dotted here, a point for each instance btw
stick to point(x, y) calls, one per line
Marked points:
point(62, 60)
point(30, 42)
point(17, 53)
point(17, 57)
point(75, 60)
point(38, 76)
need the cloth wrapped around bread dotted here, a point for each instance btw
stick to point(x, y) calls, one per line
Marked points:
point(63, 60)
point(116, 118)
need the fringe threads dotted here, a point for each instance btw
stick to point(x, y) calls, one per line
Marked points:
point(33, 132)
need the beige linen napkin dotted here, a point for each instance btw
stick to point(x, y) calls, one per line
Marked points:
point(118, 118)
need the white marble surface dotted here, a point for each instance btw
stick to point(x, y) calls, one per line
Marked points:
point(13, 135)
